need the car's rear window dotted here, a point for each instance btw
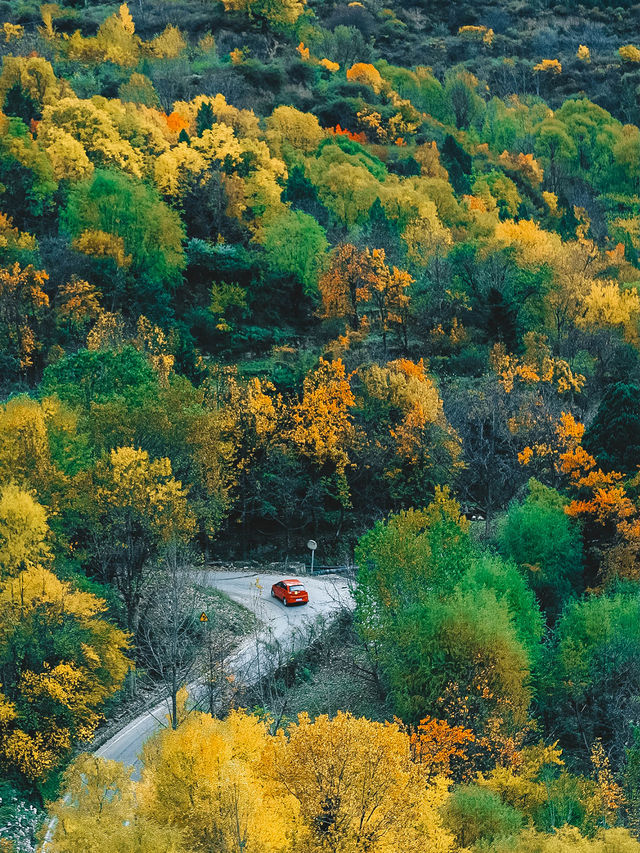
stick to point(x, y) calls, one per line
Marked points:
point(296, 587)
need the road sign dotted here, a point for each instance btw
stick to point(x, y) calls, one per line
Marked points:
point(204, 617)
point(312, 545)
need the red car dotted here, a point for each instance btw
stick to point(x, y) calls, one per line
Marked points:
point(290, 592)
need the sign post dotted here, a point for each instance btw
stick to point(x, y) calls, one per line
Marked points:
point(312, 545)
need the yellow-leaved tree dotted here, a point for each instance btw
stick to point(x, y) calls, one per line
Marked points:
point(60, 659)
point(68, 156)
point(35, 77)
point(280, 14)
point(100, 813)
point(134, 507)
point(342, 785)
point(426, 237)
point(411, 440)
point(23, 532)
point(25, 455)
point(96, 138)
point(359, 790)
point(367, 74)
point(297, 129)
point(22, 301)
point(115, 41)
point(322, 426)
point(78, 302)
point(211, 779)
point(605, 304)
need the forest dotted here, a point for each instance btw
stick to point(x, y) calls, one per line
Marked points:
point(276, 270)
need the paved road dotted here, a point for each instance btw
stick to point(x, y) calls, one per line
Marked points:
point(283, 629)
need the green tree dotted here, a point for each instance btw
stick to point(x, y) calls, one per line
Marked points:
point(97, 375)
point(457, 163)
point(461, 658)
point(460, 89)
point(555, 148)
point(632, 780)
point(204, 118)
point(402, 559)
point(26, 175)
point(139, 90)
point(453, 632)
point(592, 675)
point(489, 572)
point(20, 104)
point(116, 204)
point(295, 246)
point(546, 544)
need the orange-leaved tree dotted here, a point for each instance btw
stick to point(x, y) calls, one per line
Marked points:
point(436, 744)
point(388, 296)
point(355, 277)
point(600, 498)
point(345, 284)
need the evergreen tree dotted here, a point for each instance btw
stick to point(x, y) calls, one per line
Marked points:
point(204, 118)
point(457, 163)
point(20, 104)
point(614, 436)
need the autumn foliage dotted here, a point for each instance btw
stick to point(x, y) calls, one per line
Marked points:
point(264, 278)
point(346, 783)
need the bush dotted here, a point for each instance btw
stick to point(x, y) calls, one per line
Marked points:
point(19, 820)
point(475, 814)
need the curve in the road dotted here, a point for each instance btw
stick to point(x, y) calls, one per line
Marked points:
point(282, 631)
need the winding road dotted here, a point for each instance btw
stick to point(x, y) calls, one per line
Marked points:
point(282, 630)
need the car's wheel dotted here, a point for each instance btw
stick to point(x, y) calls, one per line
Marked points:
point(284, 601)
point(273, 595)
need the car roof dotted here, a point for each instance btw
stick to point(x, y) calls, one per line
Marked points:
point(292, 580)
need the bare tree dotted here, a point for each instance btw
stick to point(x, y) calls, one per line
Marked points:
point(215, 671)
point(169, 633)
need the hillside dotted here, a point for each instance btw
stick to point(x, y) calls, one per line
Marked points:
point(274, 270)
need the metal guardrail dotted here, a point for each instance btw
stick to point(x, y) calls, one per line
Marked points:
point(326, 570)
